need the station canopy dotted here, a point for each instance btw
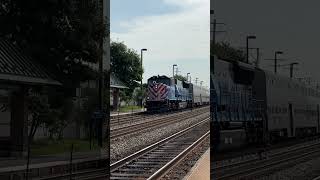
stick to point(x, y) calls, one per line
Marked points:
point(116, 83)
point(17, 67)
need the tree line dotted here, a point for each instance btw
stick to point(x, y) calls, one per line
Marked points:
point(63, 37)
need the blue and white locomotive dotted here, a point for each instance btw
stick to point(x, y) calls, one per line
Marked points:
point(166, 93)
point(267, 106)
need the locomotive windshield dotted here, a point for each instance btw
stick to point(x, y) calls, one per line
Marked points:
point(242, 75)
point(159, 80)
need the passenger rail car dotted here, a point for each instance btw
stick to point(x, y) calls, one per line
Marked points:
point(269, 106)
point(164, 93)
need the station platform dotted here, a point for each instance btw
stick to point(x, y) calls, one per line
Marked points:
point(46, 165)
point(201, 170)
point(12, 164)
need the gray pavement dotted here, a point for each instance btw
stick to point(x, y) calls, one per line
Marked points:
point(15, 164)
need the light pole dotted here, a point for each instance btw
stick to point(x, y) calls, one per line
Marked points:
point(188, 76)
point(291, 68)
point(247, 46)
point(173, 70)
point(201, 84)
point(142, 73)
point(177, 71)
point(258, 56)
point(275, 60)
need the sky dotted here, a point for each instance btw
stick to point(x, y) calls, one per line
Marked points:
point(291, 26)
point(173, 31)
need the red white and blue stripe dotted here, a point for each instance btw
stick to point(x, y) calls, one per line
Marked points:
point(157, 91)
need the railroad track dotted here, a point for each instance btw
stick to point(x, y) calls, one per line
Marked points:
point(250, 157)
point(316, 178)
point(130, 118)
point(155, 160)
point(90, 174)
point(255, 167)
point(114, 133)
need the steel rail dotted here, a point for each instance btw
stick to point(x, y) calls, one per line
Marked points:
point(271, 155)
point(114, 166)
point(270, 163)
point(149, 124)
point(124, 119)
point(162, 171)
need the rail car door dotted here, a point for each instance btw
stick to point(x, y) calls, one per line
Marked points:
point(291, 119)
point(318, 118)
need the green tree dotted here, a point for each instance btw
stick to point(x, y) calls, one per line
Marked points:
point(223, 50)
point(60, 35)
point(59, 119)
point(138, 93)
point(63, 37)
point(124, 97)
point(180, 77)
point(126, 65)
point(39, 113)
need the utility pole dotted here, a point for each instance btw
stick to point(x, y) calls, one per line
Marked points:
point(173, 70)
point(188, 77)
point(100, 120)
point(213, 44)
point(258, 56)
point(144, 49)
point(177, 71)
point(214, 31)
point(291, 68)
point(275, 60)
point(247, 46)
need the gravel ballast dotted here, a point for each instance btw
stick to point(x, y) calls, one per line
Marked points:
point(143, 119)
point(126, 145)
point(183, 168)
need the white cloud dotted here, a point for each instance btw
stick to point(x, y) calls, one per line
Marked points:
point(172, 38)
point(185, 3)
point(181, 35)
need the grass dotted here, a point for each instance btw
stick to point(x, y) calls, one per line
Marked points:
point(129, 108)
point(48, 147)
